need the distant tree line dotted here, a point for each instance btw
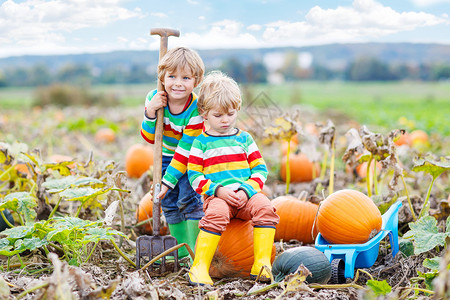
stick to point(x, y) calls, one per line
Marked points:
point(361, 69)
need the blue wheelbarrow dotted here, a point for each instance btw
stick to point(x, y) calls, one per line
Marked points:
point(344, 258)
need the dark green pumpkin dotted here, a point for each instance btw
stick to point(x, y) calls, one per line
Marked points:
point(9, 217)
point(289, 261)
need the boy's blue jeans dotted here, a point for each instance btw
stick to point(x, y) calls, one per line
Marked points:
point(182, 202)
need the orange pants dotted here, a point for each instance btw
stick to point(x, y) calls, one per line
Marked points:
point(218, 213)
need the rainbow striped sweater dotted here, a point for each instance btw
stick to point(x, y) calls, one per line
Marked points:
point(180, 130)
point(232, 161)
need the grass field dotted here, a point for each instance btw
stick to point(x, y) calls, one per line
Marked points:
point(425, 105)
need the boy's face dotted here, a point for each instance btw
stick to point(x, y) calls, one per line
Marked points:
point(179, 84)
point(221, 123)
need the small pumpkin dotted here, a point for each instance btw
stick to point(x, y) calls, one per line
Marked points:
point(138, 160)
point(288, 262)
point(144, 212)
point(105, 135)
point(296, 219)
point(234, 255)
point(404, 139)
point(301, 168)
point(348, 217)
point(361, 169)
point(58, 158)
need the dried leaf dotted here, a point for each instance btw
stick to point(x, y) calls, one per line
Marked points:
point(327, 134)
point(355, 146)
point(4, 289)
point(283, 128)
point(105, 292)
point(110, 213)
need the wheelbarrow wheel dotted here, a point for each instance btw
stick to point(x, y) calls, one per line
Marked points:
point(337, 271)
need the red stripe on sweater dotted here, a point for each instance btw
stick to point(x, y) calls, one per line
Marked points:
point(181, 158)
point(258, 181)
point(253, 156)
point(167, 127)
point(147, 139)
point(195, 160)
point(225, 159)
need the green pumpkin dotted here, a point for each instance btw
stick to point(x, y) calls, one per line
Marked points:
point(289, 261)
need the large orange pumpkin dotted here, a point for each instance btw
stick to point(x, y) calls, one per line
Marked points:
point(234, 255)
point(348, 217)
point(296, 219)
point(144, 212)
point(138, 159)
point(302, 169)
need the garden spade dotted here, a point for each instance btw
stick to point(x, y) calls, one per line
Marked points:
point(156, 244)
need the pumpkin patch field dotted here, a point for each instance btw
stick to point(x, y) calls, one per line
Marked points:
point(74, 197)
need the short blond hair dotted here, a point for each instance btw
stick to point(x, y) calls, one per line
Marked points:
point(218, 91)
point(181, 57)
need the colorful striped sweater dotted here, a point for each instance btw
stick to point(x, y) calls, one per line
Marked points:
point(180, 130)
point(232, 161)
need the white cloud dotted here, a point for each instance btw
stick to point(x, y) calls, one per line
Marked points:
point(42, 24)
point(223, 34)
point(366, 19)
point(254, 27)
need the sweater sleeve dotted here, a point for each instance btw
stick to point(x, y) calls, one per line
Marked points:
point(255, 182)
point(197, 178)
point(148, 124)
point(178, 165)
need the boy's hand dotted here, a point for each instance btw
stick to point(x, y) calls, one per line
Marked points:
point(158, 101)
point(163, 192)
point(243, 199)
point(229, 196)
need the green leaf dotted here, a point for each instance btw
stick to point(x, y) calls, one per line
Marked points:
point(23, 203)
point(379, 287)
point(432, 263)
point(434, 168)
point(65, 227)
point(82, 194)
point(96, 234)
point(18, 232)
point(6, 248)
point(29, 244)
point(58, 185)
point(406, 247)
point(425, 234)
point(429, 276)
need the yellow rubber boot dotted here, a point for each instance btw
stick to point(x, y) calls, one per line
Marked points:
point(262, 243)
point(204, 252)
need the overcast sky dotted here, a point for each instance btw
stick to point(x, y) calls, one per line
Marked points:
point(80, 26)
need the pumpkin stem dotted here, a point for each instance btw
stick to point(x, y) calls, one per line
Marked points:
point(302, 196)
point(314, 223)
